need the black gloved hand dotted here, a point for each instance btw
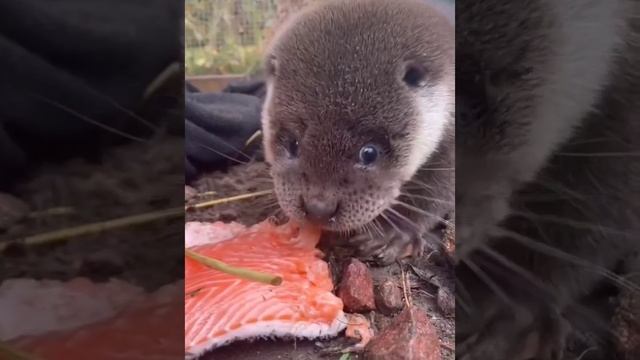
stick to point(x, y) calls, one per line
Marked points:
point(255, 87)
point(217, 126)
point(56, 67)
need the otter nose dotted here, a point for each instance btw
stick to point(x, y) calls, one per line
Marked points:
point(320, 209)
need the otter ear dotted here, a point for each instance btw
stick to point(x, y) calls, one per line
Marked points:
point(270, 65)
point(415, 75)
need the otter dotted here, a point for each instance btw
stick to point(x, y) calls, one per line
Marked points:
point(358, 121)
point(547, 204)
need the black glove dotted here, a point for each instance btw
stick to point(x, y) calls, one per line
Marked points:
point(255, 87)
point(56, 67)
point(217, 126)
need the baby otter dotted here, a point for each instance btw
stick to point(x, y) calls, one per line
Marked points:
point(547, 141)
point(358, 121)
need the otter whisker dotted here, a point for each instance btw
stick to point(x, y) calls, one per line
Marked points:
point(610, 154)
point(420, 183)
point(427, 198)
point(402, 217)
point(367, 230)
point(525, 274)
point(239, 151)
point(558, 188)
point(140, 119)
point(490, 282)
point(461, 294)
point(92, 121)
point(570, 222)
point(377, 227)
point(423, 212)
point(390, 221)
point(224, 155)
point(562, 255)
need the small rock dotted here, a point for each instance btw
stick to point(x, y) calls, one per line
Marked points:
point(409, 337)
point(389, 298)
point(356, 287)
point(12, 210)
point(446, 301)
point(359, 328)
point(189, 193)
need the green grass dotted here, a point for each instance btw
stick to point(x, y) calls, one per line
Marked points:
point(227, 60)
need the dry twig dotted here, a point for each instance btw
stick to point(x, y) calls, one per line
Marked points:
point(215, 202)
point(94, 228)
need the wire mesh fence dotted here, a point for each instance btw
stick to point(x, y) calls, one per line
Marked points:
point(224, 37)
point(227, 37)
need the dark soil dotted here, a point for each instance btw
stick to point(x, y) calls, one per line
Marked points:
point(129, 180)
point(253, 177)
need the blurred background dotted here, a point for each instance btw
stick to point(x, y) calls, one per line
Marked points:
point(224, 39)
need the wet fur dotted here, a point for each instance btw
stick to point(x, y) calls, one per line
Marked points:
point(562, 81)
point(336, 85)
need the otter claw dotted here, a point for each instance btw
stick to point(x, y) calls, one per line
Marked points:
point(387, 249)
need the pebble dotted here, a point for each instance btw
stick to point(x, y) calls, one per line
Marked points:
point(389, 298)
point(410, 336)
point(356, 287)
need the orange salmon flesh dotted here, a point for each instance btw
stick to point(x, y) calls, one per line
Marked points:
point(221, 308)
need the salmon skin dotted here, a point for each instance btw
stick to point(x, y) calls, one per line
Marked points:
point(221, 308)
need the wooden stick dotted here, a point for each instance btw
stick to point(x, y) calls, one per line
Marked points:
point(97, 227)
point(215, 202)
point(406, 290)
point(94, 228)
point(235, 271)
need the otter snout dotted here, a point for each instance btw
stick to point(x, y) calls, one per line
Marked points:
point(320, 209)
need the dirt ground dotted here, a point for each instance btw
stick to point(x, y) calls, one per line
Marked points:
point(254, 177)
point(140, 178)
point(129, 180)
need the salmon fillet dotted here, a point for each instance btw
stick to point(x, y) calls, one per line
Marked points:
point(221, 308)
point(30, 307)
point(149, 328)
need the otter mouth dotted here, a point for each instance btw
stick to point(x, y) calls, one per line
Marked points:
point(338, 224)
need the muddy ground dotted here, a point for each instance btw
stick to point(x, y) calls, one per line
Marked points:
point(253, 177)
point(128, 180)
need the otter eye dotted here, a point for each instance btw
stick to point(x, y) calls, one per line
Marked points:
point(368, 155)
point(292, 148)
point(415, 75)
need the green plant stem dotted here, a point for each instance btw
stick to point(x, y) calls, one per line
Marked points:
point(235, 271)
point(226, 200)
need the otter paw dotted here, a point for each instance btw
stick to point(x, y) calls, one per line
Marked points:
point(388, 246)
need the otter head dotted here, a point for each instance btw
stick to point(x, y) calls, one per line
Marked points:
point(359, 94)
point(526, 77)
